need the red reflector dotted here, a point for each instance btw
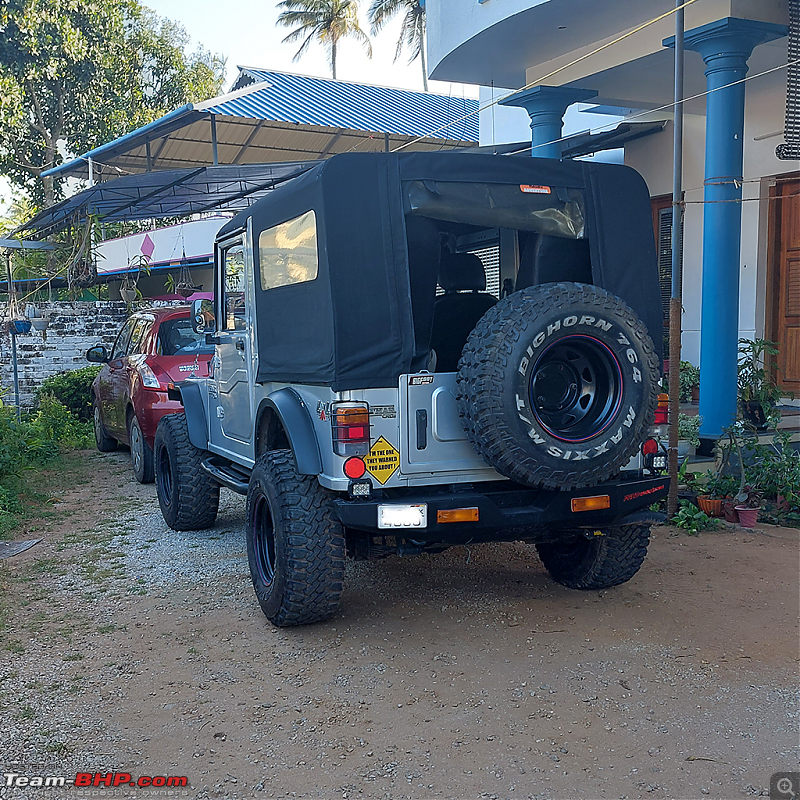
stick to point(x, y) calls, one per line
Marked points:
point(355, 468)
point(649, 447)
point(355, 433)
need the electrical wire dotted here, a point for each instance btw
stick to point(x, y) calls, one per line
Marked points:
point(543, 78)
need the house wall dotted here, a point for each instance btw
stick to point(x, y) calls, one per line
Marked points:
point(74, 328)
point(652, 157)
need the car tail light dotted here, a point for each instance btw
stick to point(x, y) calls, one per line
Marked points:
point(662, 410)
point(350, 429)
point(149, 379)
point(649, 447)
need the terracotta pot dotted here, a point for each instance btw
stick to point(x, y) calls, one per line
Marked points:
point(729, 511)
point(782, 503)
point(712, 506)
point(747, 516)
point(695, 394)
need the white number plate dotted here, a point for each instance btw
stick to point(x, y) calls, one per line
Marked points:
point(397, 516)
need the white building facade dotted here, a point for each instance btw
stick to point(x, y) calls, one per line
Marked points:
point(532, 44)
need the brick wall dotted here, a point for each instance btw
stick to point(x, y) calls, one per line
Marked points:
point(74, 328)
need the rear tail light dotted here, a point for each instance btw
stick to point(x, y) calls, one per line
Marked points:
point(662, 410)
point(649, 447)
point(148, 377)
point(350, 428)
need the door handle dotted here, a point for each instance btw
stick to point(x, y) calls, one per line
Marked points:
point(240, 345)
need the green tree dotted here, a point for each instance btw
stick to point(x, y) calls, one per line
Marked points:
point(77, 73)
point(327, 21)
point(412, 31)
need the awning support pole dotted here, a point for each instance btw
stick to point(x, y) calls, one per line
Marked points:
point(214, 154)
point(675, 305)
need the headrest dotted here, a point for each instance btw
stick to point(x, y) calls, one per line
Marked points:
point(462, 271)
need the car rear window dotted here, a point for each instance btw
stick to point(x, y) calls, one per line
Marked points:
point(176, 338)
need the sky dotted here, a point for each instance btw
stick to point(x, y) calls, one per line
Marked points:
point(246, 33)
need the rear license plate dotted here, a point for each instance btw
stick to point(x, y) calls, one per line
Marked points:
point(403, 516)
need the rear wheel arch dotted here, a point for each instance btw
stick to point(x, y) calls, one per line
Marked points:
point(284, 415)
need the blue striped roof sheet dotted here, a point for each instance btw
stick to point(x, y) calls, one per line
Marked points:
point(317, 101)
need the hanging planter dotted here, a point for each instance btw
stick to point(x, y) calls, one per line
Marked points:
point(20, 325)
point(127, 292)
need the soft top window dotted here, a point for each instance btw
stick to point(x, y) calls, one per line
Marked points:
point(554, 211)
point(287, 253)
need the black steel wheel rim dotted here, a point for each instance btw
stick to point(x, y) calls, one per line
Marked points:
point(164, 473)
point(576, 388)
point(263, 540)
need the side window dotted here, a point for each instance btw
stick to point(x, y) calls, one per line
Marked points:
point(287, 253)
point(123, 340)
point(138, 336)
point(233, 309)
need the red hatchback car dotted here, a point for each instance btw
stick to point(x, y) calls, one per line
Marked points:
point(155, 347)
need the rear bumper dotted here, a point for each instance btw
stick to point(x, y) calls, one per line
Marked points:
point(509, 511)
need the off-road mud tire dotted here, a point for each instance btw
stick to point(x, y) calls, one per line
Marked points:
point(104, 442)
point(189, 499)
point(583, 345)
point(295, 543)
point(612, 556)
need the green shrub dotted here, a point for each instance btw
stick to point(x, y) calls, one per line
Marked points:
point(73, 389)
point(688, 378)
point(55, 424)
point(692, 519)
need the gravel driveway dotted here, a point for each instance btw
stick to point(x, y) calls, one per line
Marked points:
point(131, 648)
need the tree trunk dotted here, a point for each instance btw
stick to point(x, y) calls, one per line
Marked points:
point(333, 58)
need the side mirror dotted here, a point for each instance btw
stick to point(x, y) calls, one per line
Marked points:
point(98, 354)
point(203, 316)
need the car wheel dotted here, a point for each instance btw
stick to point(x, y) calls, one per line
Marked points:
point(189, 499)
point(105, 444)
point(557, 385)
point(295, 544)
point(141, 453)
point(612, 556)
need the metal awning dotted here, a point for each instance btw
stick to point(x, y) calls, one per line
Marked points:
point(279, 117)
point(583, 144)
point(172, 193)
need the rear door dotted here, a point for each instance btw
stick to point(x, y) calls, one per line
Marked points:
point(232, 417)
point(435, 441)
point(112, 392)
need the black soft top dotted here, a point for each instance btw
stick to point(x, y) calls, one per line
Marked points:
point(353, 326)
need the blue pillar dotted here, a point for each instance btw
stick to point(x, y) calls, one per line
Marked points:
point(725, 46)
point(546, 106)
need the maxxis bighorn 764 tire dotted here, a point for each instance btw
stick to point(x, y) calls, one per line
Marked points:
point(612, 556)
point(189, 499)
point(295, 543)
point(557, 385)
point(104, 442)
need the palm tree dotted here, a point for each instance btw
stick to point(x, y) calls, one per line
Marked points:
point(412, 32)
point(327, 21)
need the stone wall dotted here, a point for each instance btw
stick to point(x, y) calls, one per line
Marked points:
point(74, 328)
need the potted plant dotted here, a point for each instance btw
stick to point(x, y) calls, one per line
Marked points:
point(689, 380)
point(758, 391)
point(718, 498)
point(688, 435)
point(748, 504)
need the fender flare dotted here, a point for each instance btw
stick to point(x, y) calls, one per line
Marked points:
point(296, 420)
point(195, 411)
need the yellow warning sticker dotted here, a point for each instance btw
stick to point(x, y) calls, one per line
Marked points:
point(382, 460)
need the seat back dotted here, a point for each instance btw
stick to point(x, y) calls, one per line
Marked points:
point(458, 310)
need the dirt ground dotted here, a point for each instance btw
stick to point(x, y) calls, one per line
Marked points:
point(130, 648)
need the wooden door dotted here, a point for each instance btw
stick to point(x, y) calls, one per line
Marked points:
point(783, 282)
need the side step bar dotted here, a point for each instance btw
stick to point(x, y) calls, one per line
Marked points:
point(226, 475)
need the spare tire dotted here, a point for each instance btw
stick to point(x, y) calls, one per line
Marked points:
point(557, 385)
